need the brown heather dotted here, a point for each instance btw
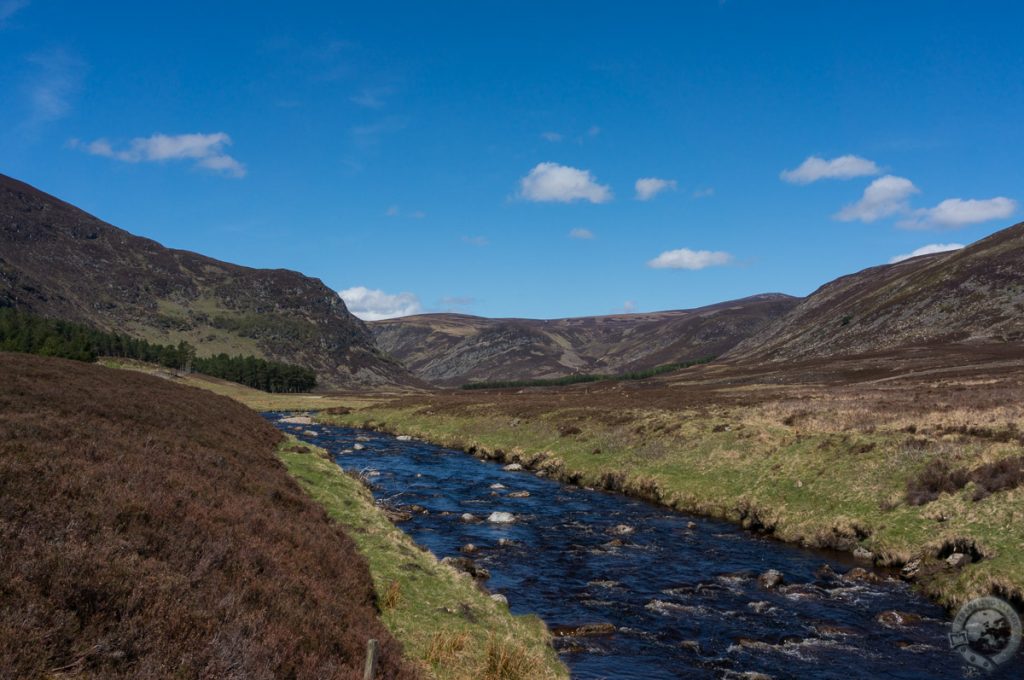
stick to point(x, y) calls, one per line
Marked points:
point(148, 531)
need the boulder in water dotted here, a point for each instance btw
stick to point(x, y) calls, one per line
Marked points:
point(519, 494)
point(467, 566)
point(895, 619)
point(771, 579)
point(513, 467)
point(467, 517)
point(501, 518)
point(358, 447)
point(404, 438)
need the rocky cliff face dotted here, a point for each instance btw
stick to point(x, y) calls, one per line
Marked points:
point(973, 296)
point(58, 261)
point(452, 349)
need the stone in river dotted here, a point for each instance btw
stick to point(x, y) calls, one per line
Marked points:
point(771, 579)
point(501, 518)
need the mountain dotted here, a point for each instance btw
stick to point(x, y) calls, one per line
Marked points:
point(452, 349)
point(58, 261)
point(970, 296)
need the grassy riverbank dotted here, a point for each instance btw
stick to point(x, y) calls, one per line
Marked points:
point(825, 472)
point(444, 621)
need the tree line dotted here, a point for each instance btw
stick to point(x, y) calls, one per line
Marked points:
point(24, 332)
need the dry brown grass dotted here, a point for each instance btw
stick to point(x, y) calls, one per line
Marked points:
point(147, 530)
point(446, 647)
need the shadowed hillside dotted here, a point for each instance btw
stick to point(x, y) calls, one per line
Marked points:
point(147, 530)
point(58, 261)
point(451, 349)
point(974, 295)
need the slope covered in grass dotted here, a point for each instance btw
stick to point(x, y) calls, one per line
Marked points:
point(148, 530)
point(455, 630)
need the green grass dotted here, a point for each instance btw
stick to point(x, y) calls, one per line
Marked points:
point(453, 629)
point(815, 488)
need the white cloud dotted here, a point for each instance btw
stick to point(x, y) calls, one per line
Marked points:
point(684, 258)
point(396, 211)
point(843, 167)
point(649, 187)
point(55, 78)
point(554, 182)
point(9, 7)
point(369, 135)
point(372, 304)
point(885, 196)
point(628, 307)
point(371, 97)
point(954, 213)
point(584, 234)
point(706, 192)
point(929, 249)
point(205, 149)
point(551, 136)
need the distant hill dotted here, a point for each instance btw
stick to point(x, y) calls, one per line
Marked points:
point(58, 261)
point(452, 349)
point(974, 295)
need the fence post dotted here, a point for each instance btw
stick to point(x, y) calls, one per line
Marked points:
point(370, 671)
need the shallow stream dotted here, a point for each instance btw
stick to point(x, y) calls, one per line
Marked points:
point(682, 592)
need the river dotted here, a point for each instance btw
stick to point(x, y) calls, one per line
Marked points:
point(681, 591)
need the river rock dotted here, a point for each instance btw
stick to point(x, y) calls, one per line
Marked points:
point(358, 447)
point(297, 420)
point(864, 555)
point(691, 525)
point(418, 509)
point(771, 579)
point(513, 467)
point(397, 516)
point(519, 494)
point(310, 433)
point(469, 549)
point(861, 574)
point(501, 518)
point(759, 607)
point(500, 599)
point(362, 438)
point(910, 570)
point(505, 542)
point(958, 560)
point(584, 630)
point(895, 619)
point(404, 438)
point(497, 486)
point(468, 518)
point(621, 530)
point(467, 566)
point(690, 645)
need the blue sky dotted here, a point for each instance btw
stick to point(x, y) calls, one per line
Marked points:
point(484, 157)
